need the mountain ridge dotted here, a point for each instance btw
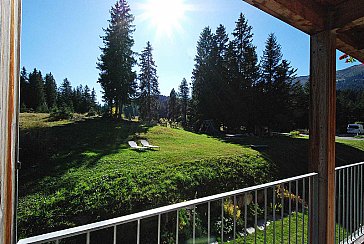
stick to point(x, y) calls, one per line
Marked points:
point(351, 78)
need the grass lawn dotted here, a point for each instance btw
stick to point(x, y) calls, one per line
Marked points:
point(81, 171)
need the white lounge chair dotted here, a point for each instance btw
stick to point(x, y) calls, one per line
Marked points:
point(133, 145)
point(145, 143)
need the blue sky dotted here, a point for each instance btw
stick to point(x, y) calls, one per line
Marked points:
point(63, 37)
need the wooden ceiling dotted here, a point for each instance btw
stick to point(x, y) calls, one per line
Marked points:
point(344, 17)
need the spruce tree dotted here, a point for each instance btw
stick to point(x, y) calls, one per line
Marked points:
point(149, 90)
point(37, 100)
point(183, 94)
point(24, 90)
point(275, 85)
point(172, 105)
point(247, 68)
point(50, 88)
point(65, 95)
point(116, 77)
point(202, 78)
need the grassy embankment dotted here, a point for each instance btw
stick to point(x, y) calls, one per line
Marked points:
point(76, 172)
point(83, 171)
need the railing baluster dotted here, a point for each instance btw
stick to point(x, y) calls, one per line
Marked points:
point(256, 215)
point(335, 206)
point(351, 203)
point(265, 215)
point(289, 212)
point(245, 216)
point(354, 203)
point(274, 214)
point(309, 209)
point(297, 211)
point(348, 205)
point(222, 220)
point(57, 241)
point(177, 226)
point(234, 229)
point(208, 221)
point(194, 225)
point(339, 206)
point(282, 212)
point(303, 209)
point(159, 229)
point(138, 232)
point(361, 199)
point(114, 238)
point(88, 238)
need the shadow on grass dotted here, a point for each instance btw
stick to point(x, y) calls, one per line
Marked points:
point(290, 155)
point(51, 151)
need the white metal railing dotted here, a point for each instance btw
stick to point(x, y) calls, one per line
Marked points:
point(349, 203)
point(253, 214)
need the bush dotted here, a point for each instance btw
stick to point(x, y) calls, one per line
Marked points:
point(60, 114)
point(294, 133)
point(123, 192)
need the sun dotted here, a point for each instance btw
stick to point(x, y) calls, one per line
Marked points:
point(165, 16)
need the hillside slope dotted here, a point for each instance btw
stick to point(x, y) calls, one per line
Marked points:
point(350, 78)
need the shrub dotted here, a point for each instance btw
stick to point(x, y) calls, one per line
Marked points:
point(60, 114)
point(294, 133)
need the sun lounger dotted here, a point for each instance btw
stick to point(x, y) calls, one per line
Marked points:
point(133, 145)
point(145, 143)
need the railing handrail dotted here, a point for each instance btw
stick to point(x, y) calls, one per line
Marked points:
point(349, 165)
point(152, 212)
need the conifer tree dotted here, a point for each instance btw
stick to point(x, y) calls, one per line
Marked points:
point(247, 68)
point(65, 95)
point(202, 78)
point(37, 100)
point(117, 78)
point(149, 90)
point(275, 85)
point(183, 94)
point(24, 90)
point(50, 88)
point(172, 105)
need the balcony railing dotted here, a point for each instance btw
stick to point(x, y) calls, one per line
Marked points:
point(276, 212)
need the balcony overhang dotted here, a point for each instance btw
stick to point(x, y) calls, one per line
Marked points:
point(344, 17)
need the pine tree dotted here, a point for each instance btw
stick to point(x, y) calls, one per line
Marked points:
point(93, 99)
point(117, 78)
point(172, 105)
point(65, 95)
point(183, 94)
point(275, 85)
point(202, 78)
point(24, 90)
point(247, 68)
point(37, 100)
point(149, 90)
point(50, 88)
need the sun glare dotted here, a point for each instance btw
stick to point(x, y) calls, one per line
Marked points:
point(165, 16)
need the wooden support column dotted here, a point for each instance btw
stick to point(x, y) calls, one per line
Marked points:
point(10, 16)
point(322, 135)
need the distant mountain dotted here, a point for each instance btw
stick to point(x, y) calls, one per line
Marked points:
point(350, 78)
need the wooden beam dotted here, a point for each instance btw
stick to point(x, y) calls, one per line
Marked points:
point(10, 16)
point(305, 15)
point(349, 14)
point(322, 133)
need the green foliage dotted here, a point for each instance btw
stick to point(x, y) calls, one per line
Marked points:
point(80, 177)
point(63, 113)
point(116, 77)
point(149, 90)
point(294, 133)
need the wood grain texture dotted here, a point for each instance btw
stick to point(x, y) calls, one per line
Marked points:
point(322, 131)
point(9, 96)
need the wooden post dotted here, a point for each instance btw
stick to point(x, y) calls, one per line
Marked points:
point(10, 16)
point(322, 134)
